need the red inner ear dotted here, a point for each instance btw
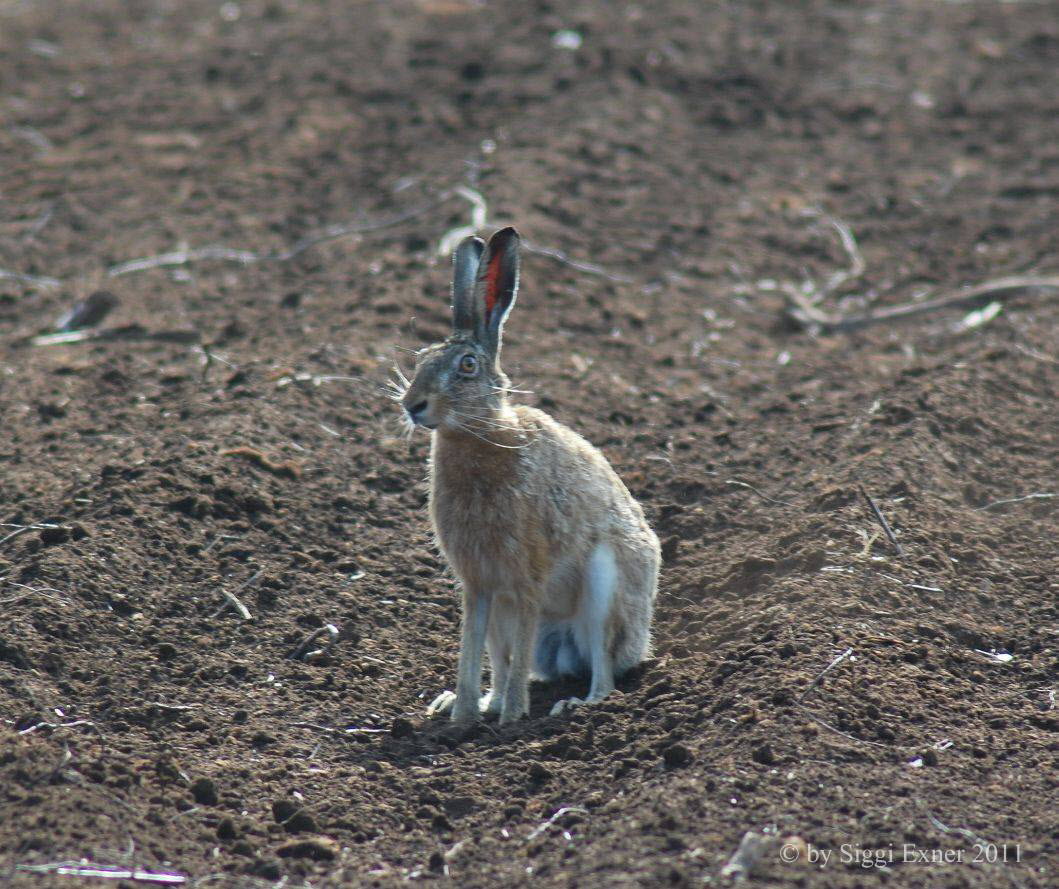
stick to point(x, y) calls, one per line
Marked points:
point(492, 284)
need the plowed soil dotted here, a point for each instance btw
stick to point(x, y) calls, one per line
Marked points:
point(677, 168)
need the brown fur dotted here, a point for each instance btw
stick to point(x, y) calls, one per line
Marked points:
point(530, 516)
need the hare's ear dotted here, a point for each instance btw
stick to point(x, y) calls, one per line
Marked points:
point(464, 274)
point(496, 286)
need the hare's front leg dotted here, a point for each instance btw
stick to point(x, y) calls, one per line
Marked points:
point(516, 690)
point(498, 645)
point(472, 642)
point(463, 706)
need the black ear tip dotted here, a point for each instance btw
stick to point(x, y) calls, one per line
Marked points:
point(471, 242)
point(504, 237)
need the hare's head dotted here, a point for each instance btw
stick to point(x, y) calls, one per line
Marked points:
point(459, 381)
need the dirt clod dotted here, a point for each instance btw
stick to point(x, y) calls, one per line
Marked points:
point(204, 792)
point(764, 754)
point(315, 848)
point(676, 755)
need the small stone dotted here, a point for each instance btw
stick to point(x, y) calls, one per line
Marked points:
point(930, 758)
point(267, 870)
point(782, 696)
point(204, 792)
point(315, 848)
point(282, 809)
point(458, 806)
point(659, 688)
point(436, 862)
point(165, 651)
point(401, 728)
point(300, 822)
point(676, 755)
point(539, 773)
point(226, 829)
point(50, 536)
point(293, 817)
point(764, 754)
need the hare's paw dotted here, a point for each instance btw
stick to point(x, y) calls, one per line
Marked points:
point(491, 703)
point(442, 704)
point(566, 705)
point(512, 711)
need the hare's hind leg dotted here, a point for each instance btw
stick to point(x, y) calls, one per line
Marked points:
point(524, 619)
point(591, 623)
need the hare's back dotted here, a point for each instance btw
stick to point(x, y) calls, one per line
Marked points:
point(573, 477)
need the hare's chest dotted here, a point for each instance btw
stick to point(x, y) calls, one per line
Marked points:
point(478, 530)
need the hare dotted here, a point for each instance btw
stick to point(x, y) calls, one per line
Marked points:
point(558, 566)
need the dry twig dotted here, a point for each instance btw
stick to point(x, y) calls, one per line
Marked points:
point(221, 253)
point(839, 731)
point(131, 332)
point(22, 529)
point(812, 685)
point(1015, 500)
point(40, 281)
point(576, 264)
point(232, 600)
point(87, 869)
point(820, 676)
point(733, 481)
point(1037, 356)
point(806, 297)
point(881, 519)
point(351, 730)
point(479, 215)
point(565, 810)
point(249, 257)
point(857, 265)
point(287, 468)
point(74, 723)
point(808, 315)
point(302, 650)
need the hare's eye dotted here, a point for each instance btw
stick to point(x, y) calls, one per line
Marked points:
point(468, 364)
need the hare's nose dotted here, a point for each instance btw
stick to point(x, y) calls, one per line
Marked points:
point(416, 409)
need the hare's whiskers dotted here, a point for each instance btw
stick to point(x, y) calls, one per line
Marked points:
point(396, 391)
point(400, 374)
point(494, 418)
point(497, 444)
point(489, 421)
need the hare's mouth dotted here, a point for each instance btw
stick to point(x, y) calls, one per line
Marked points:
point(420, 414)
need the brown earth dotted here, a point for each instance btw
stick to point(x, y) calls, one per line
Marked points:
point(695, 156)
